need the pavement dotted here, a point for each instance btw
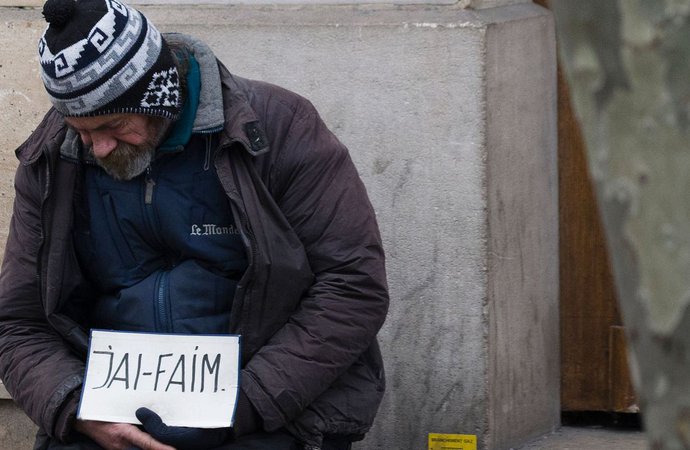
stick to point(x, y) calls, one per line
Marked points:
point(589, 438)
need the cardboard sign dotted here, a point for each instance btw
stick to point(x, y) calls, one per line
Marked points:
point(452, 441)
point(188, 380)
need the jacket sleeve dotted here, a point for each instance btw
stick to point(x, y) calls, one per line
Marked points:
point(36, 366)
point(318, 189)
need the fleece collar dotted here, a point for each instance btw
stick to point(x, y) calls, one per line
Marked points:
point(182, 127)
point(209, 115)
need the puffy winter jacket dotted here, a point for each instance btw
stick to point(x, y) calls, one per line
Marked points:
point(308, 306)
point(162, 249)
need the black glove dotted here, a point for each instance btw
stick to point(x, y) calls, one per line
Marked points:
point(182, 438)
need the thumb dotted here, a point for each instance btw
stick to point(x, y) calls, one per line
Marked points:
point(152, 422)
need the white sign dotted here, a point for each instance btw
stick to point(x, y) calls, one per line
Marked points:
point(188, 380)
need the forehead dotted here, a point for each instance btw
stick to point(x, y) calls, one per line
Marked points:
point(105, 121)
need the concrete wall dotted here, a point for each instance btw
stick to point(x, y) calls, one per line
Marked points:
point(524, 364)
point(449, 114)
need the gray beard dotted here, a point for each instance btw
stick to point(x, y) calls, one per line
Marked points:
point(127, 161)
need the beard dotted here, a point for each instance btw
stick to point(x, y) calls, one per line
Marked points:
point(128, 161)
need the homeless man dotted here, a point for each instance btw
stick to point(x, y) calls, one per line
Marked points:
point(163, 194)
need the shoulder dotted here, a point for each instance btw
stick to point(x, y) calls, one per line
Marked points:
point(268, 100)
point(49, 132)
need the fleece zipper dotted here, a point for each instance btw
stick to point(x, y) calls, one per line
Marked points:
point(162, 302)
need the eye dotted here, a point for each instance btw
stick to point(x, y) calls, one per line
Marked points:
point(121, 127)
point(116, 126)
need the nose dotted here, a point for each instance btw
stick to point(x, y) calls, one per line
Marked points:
point(102, 145)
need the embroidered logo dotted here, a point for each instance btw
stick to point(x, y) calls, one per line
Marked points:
point(211, 229)
point(163, 90)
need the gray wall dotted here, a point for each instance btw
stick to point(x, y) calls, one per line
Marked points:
point(524, 382)
point(449, 114)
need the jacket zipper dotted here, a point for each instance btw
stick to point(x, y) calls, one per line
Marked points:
point(161, 292)
point(149, 212)
point(207, 156)
point(245, 233)
point(150, 184)
point(165, 324)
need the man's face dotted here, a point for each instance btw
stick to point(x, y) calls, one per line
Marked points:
point(123, 144)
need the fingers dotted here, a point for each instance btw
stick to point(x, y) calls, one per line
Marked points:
point(119, 436)
point(151, 421)
point(144, 441)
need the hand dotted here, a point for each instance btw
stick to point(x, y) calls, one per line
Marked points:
point(118, 436)
point(182, 438)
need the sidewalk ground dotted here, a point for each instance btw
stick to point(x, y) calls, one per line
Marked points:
point(589, 438)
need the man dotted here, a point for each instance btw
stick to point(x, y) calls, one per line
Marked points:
point(163, 194)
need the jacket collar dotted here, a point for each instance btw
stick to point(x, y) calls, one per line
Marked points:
point(242, 124)
point(231, 111)
point(49, 132)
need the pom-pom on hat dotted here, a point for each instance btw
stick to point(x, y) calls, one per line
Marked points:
point(104, 57)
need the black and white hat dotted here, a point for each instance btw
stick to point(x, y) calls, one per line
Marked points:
point(104, 57)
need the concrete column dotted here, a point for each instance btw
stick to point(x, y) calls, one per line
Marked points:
point(522, 254)
point(450, 116)
point(483, 4)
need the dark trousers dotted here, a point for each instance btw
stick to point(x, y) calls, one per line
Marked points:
point(282, 441)
point(279, 440)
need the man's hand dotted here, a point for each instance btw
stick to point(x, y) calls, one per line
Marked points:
point(118, 436)
point(182, 437)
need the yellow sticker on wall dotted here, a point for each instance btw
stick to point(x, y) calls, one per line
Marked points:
point(452, 441)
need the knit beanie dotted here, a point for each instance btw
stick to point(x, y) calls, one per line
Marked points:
point(104, 57)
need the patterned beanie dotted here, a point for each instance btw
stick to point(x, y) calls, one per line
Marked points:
point(103, 57)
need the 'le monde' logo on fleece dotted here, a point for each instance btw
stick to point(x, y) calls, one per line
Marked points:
point(211, 229)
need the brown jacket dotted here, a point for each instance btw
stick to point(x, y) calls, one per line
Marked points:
point(308, 307)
